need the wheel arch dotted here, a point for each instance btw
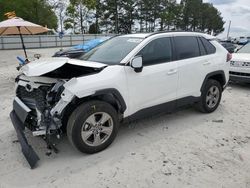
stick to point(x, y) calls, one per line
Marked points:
point(216, 75)
point(110, 95)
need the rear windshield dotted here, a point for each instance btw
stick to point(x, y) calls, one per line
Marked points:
point(245, 49)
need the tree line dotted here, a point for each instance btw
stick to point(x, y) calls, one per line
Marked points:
point(117, 16)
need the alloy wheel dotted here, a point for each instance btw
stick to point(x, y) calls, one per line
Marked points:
point(97, 129)
point(212, 97)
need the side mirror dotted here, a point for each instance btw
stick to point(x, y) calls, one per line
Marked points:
point(136, 64)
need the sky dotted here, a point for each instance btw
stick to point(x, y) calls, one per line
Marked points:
point(238, 11)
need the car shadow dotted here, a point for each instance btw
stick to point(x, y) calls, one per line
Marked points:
point(239, 85)
point(131, 136)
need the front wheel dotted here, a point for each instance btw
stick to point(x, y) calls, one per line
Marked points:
point(210, 97)
point(93, 126)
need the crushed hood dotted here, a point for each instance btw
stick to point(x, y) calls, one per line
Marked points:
point(243, 57)
point(46, 65)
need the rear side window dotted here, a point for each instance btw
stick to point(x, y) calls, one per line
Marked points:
point(157, 51)
point(186, 47)
point(210, 49)
point(202, 48)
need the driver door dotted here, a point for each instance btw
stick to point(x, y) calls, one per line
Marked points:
point(157, 83)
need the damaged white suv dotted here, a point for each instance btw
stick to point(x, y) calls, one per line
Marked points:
point(125, 78)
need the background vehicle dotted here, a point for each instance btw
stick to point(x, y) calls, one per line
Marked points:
point(125, 78)
point(229, 46)
point(240, 65)
point(241, 40)
point(79, 50)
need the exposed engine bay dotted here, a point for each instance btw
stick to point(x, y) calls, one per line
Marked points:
point(44, 95)
point(40, 96)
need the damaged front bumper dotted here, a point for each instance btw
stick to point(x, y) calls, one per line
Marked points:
point(18, 117)
point(23, 114)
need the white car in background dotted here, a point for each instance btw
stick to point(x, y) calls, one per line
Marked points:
point(241, 40)
point(240, 65)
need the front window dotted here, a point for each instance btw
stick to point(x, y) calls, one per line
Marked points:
point(156, 52)
point(112, 51)
point(245, 49)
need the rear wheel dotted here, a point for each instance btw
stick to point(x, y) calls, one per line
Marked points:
point(93, 126)
point(210, 97)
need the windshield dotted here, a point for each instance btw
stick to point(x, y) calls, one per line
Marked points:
point(112, 51)
point(245, 49)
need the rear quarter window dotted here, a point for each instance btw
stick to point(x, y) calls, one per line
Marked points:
point(210, 49)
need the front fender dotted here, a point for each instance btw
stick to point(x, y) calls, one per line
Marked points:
point(112, 80)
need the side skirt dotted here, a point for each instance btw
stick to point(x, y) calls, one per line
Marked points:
point(161, 109)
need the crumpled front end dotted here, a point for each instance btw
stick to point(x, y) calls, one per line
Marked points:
point(39, 105)
point(42, 96)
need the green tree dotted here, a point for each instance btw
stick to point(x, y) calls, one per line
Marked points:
point(82, 8)
point(92, 29)
point(71, 18)
point(37, 11)
point(130, 14)
point(112, 13)
point(211, 19)
point(169, 14)
point(191, 14)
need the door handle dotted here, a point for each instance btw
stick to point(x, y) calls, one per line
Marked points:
point(172, 71)
point(207, 63)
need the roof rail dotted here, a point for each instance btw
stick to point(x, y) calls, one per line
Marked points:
point(170, 31)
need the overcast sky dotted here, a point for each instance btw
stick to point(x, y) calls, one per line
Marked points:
point(238, 11)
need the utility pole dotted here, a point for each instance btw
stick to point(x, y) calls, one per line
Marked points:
point(229, 29)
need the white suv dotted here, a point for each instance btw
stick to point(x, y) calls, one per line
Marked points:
point(240, 65)
point(123, 79)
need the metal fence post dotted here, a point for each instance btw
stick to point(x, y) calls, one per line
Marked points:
point(2, 43)
point(40, 41)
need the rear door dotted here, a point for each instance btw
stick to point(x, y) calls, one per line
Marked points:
point(193, 65)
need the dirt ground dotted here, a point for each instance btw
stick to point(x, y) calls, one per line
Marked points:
point(184, 149)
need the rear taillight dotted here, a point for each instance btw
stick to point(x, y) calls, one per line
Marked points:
point(229, 57)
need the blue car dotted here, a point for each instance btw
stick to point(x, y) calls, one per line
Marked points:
point(81, 49)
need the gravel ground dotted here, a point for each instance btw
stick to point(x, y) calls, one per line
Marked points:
point(184, 149)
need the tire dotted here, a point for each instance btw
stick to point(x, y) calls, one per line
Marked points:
point(92, 126)
point(210, 97)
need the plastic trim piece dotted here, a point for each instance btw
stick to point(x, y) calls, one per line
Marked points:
point(28, 152)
